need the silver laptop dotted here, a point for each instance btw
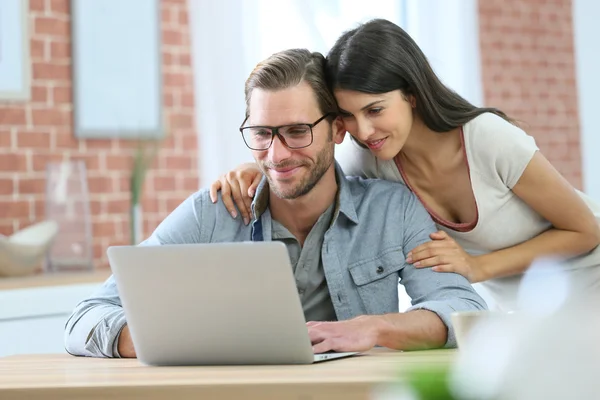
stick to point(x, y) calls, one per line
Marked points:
point(213, 304)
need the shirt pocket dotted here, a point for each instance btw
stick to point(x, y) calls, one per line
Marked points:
point(377, 278)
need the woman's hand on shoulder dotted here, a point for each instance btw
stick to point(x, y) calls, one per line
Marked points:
point(238, 187)
point(443, 254)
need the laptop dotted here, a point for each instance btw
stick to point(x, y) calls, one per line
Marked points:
point(213, 304)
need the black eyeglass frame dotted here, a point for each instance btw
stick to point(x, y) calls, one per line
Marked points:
point(275, 132)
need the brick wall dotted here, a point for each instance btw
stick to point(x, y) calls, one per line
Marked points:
point(528, 70)
point(39, 131)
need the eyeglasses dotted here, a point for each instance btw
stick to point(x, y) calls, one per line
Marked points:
point(295, 136)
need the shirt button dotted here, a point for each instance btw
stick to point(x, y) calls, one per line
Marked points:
point(380, 270)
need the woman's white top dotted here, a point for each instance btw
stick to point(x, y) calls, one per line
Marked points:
point(497, 153)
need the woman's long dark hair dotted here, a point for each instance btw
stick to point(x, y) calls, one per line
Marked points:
point(379, 57)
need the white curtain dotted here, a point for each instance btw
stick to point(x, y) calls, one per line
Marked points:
point(586, 14)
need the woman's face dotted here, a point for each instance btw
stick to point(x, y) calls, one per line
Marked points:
point(382, 122)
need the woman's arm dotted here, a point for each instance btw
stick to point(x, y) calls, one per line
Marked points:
point(575, 229)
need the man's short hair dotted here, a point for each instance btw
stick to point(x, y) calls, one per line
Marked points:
point(289, 68)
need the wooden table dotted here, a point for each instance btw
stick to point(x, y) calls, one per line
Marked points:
point(66, 377)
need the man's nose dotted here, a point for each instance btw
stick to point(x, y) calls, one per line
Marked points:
point(278, 151)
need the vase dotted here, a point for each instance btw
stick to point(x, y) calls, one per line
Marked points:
point(136, 224)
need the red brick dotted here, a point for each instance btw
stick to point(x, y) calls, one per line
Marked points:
point(91, 161)
point(189, 184)
point(39, 94)
point(5, 139)
point(174, 202)
point(120, 206)
point(50, 117)
point(50, 71)
point(37, 5)
point(14, 209)
point(13, 162)
point(187, 142)
point(181, 121)
point(185, 60)
point(170, 100)
point(6, 228)
point(187, 100)
point(37, 139)
point(38, 49)
point(100, 184)
point(119, 162)
point(60, 6)
point(40, 160)
point(180, 162)
point(98, 144)
point(104, 229)
point(64, 139)
point(166, 15)
point(52, 26)
point(96, 207)
point(164, 183)
point(175, 79)
point(13, 116)
point(151, 204)
point(39, 209)
point(62, 95)
point(172, 37)
point(183, 17)
point(7, 186)
point(60, 50)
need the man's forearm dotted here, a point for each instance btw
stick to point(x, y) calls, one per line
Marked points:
point(413, 330)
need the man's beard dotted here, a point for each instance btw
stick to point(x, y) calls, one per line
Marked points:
point(316, 172)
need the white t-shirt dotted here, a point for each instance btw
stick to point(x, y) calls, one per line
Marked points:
point(497, 153)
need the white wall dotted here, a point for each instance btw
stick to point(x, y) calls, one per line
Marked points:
point(586, 14)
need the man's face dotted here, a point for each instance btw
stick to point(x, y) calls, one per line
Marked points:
point(292, 173)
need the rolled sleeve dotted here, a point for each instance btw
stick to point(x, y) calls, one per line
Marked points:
point(94, 327)
point(443, 311)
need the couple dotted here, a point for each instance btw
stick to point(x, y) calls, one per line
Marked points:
point(344, 235)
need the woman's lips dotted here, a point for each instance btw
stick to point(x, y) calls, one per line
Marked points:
point(375, 144)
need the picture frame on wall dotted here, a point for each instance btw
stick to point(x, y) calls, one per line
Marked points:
point(15, 66)
point(117, 69)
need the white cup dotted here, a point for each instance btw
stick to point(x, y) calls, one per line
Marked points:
point(464, 321)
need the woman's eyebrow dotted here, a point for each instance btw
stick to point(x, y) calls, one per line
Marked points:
point(371, 104)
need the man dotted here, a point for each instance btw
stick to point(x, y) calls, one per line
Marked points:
point(347, 238)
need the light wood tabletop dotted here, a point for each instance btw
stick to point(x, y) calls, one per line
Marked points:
point(68, 377)
point(54, 279)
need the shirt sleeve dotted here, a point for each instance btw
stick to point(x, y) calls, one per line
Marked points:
point(499, 147)
point(441, 293)
point(94, 327)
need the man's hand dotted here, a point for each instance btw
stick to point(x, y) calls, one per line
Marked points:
point(443, 254)
point(125, 344)
point(357, 334)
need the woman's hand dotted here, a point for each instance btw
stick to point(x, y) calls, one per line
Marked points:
point(239, 186)
point(443, 254)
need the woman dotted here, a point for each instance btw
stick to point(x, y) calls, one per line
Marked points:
point(498, 203)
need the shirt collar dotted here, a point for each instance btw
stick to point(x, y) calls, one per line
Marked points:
point(344, 199)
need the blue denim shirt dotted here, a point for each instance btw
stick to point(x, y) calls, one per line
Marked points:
point(375, 224)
